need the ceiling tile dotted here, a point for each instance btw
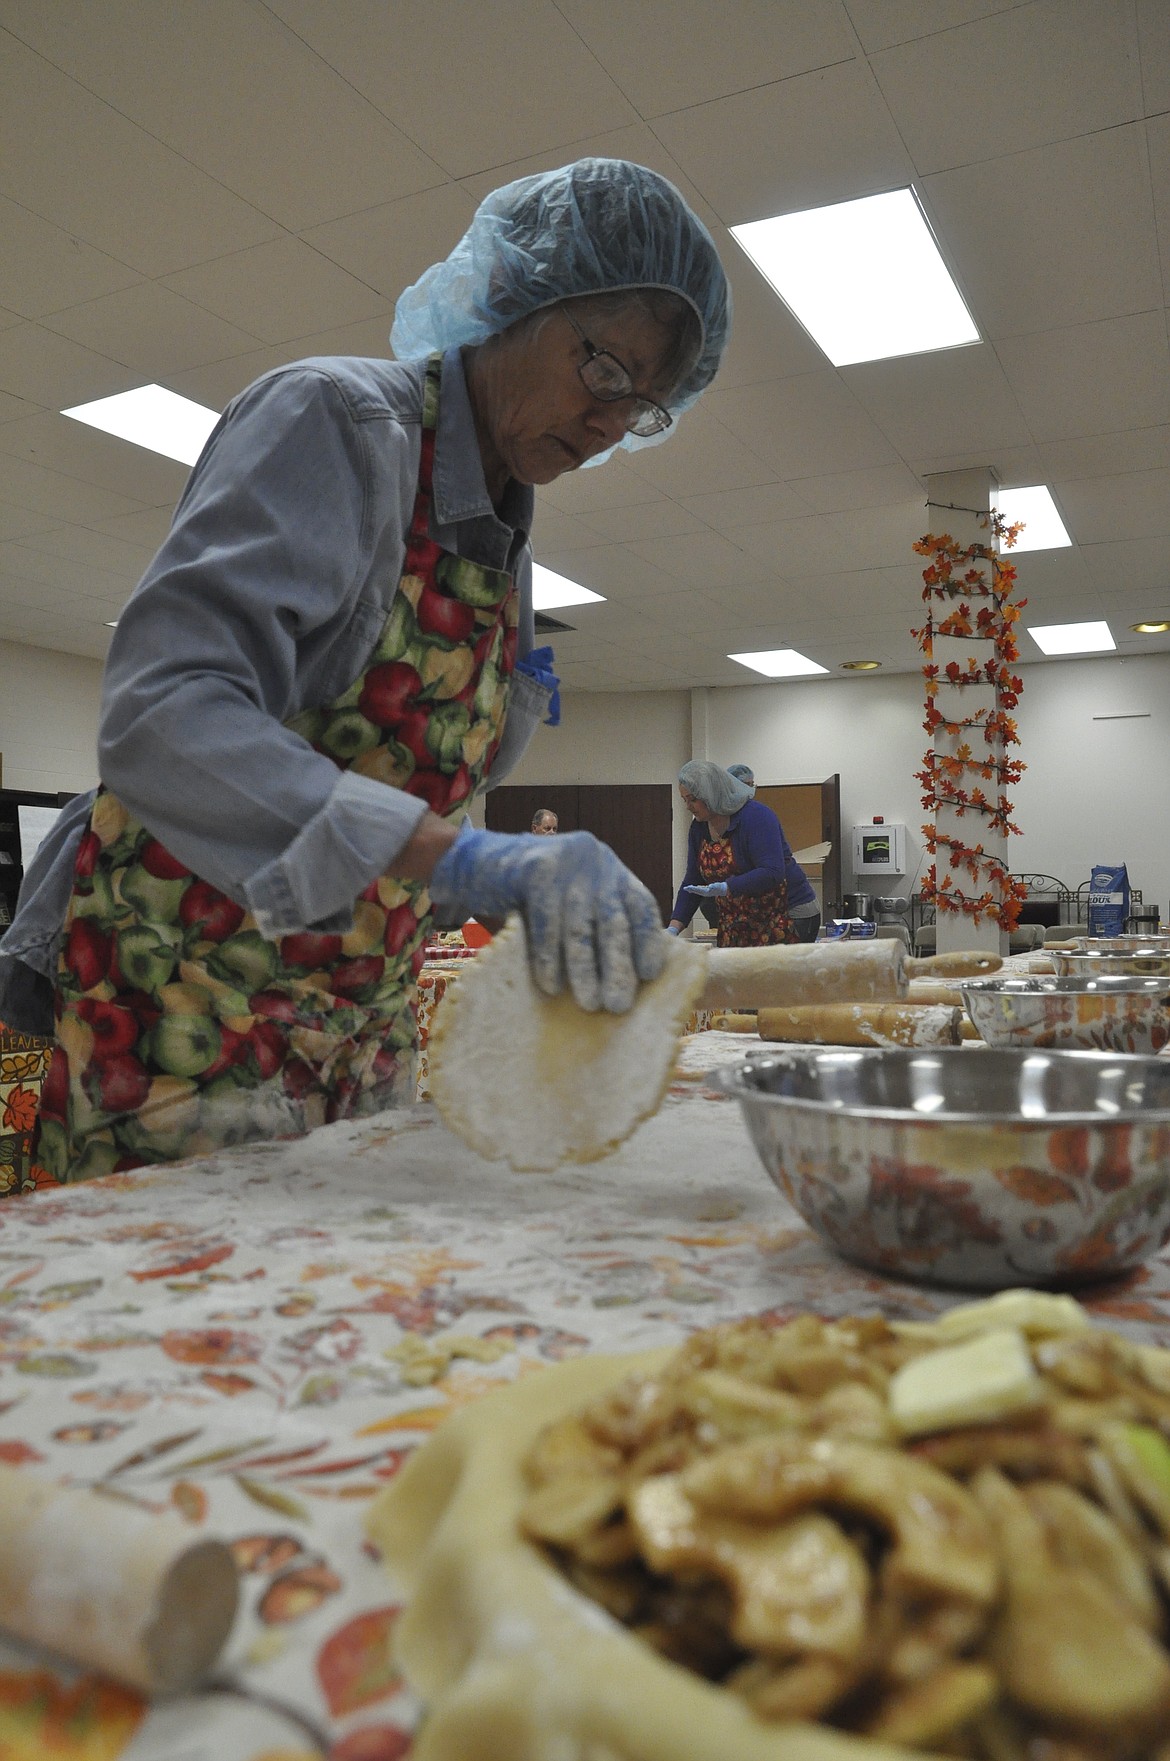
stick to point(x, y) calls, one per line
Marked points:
point(21, 522)
point(801, 427)
point(82, 544)
point(614, 484)
point(21, 562)
point(389, 246)
point(842, 490)
point(66, 499)
point(1051, 571)
point(1098, 509)
point(149, 526)
point(1158, 139)
point(53, 372)
point(43, 268)
point(1021, 79)
point(147, 63)
point(941, 402)
point(700, 454)
point(501, 92)
point(152, 330)
point(661, 518)
point(797, 547)
point(277, 291)
point(1060, 235)
point(701, 559)
point(1106, 455)
point(553, 530)
point(728, 510)
point(57, 443)
point(1138, 565)
point(138, 201)
point(15, 409)
point(1091, 378)
point(1154, 44)
point(711, 52)
point(612, 570)
point(820, 137)
point(882, 23)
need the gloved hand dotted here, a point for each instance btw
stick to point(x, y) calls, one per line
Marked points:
point(590, 922)
point(674, 929)
point(716, 890)
point(538, 664)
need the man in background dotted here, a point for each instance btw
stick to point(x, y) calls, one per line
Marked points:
point(545, 823)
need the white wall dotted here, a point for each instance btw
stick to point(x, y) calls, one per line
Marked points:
point(48, 718)
point(1094, 791)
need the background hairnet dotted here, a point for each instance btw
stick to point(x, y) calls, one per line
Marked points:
point(596, 226)
point(745, 774)
point(715, 787)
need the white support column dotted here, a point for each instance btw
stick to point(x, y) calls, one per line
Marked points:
point(960, 502)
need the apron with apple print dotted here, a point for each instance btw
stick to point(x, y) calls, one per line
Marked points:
point(744, 920)
point(180, 1028)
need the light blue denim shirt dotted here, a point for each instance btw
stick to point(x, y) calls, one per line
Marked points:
point(267, 598)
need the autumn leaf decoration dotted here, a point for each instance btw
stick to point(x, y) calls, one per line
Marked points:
point(968, 594)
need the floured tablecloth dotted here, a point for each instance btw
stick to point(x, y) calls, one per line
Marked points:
point(225, 1338)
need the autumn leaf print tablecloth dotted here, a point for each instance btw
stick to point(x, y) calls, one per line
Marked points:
point(247, 1339)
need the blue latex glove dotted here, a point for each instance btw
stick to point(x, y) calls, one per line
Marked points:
point(716, 890)
point(674, 929)
point(590, 922)
point(538, 664)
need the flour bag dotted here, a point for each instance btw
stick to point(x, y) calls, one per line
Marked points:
point(1108, 899)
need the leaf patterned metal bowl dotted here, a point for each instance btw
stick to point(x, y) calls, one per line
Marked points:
point(1140, 962)
point(981, 1168)
point(1095, 1013)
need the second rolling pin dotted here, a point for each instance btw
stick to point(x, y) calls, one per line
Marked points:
point(875, 971)
point(863, 1024)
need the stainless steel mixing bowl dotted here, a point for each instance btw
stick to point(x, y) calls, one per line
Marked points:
point(981, 1169)
point(1092, 1013)
point(1139, 962)
point(1130, 944)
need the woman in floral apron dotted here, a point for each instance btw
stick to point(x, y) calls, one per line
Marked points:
point(331, 653)
point(736, 858)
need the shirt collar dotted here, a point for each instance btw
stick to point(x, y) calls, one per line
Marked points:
point(457, 480)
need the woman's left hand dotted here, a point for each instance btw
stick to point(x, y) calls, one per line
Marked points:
point(716, 890)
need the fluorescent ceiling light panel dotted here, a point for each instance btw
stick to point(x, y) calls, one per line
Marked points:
point(779, 663)
point(1043, 526)
point(865, 278)
point(550, 591)
point(1072, 638)
point(152, 417)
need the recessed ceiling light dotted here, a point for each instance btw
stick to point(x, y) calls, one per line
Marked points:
point(1072, 638)
point(865, 278)
point(111, 623)
point(1156, 628)
point(1043, 526)
point(550, 590)
point(860, 666)
point(152, 417)
point(779, 663)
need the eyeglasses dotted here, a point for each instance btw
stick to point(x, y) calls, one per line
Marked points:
point(604, 377)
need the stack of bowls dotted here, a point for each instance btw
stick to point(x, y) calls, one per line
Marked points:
point(988, 1170)
point(1092, 1012)
point(1141, 957)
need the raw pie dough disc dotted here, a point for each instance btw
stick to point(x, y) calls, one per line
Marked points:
point(537, 1081)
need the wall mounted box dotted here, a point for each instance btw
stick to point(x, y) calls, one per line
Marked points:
point(879, 849)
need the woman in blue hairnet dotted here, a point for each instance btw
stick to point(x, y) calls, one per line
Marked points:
point(736, 860)
point(330, 654)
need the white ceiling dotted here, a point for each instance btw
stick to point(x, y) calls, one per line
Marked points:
point(197, 190)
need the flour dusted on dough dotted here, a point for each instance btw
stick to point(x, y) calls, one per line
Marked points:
point(535, 1080)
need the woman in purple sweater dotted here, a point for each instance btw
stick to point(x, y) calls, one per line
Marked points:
point(737, 856)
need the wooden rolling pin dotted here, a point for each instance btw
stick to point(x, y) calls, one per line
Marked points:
point(863, 1024)
point(110, 1586)
point(877, 971)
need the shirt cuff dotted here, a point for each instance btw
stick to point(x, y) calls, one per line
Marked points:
point(316, 881)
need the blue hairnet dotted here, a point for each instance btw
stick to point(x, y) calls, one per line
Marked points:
point(597, 226)
point(715, 787)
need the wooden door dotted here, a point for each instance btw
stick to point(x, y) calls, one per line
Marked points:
point(634, 819)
